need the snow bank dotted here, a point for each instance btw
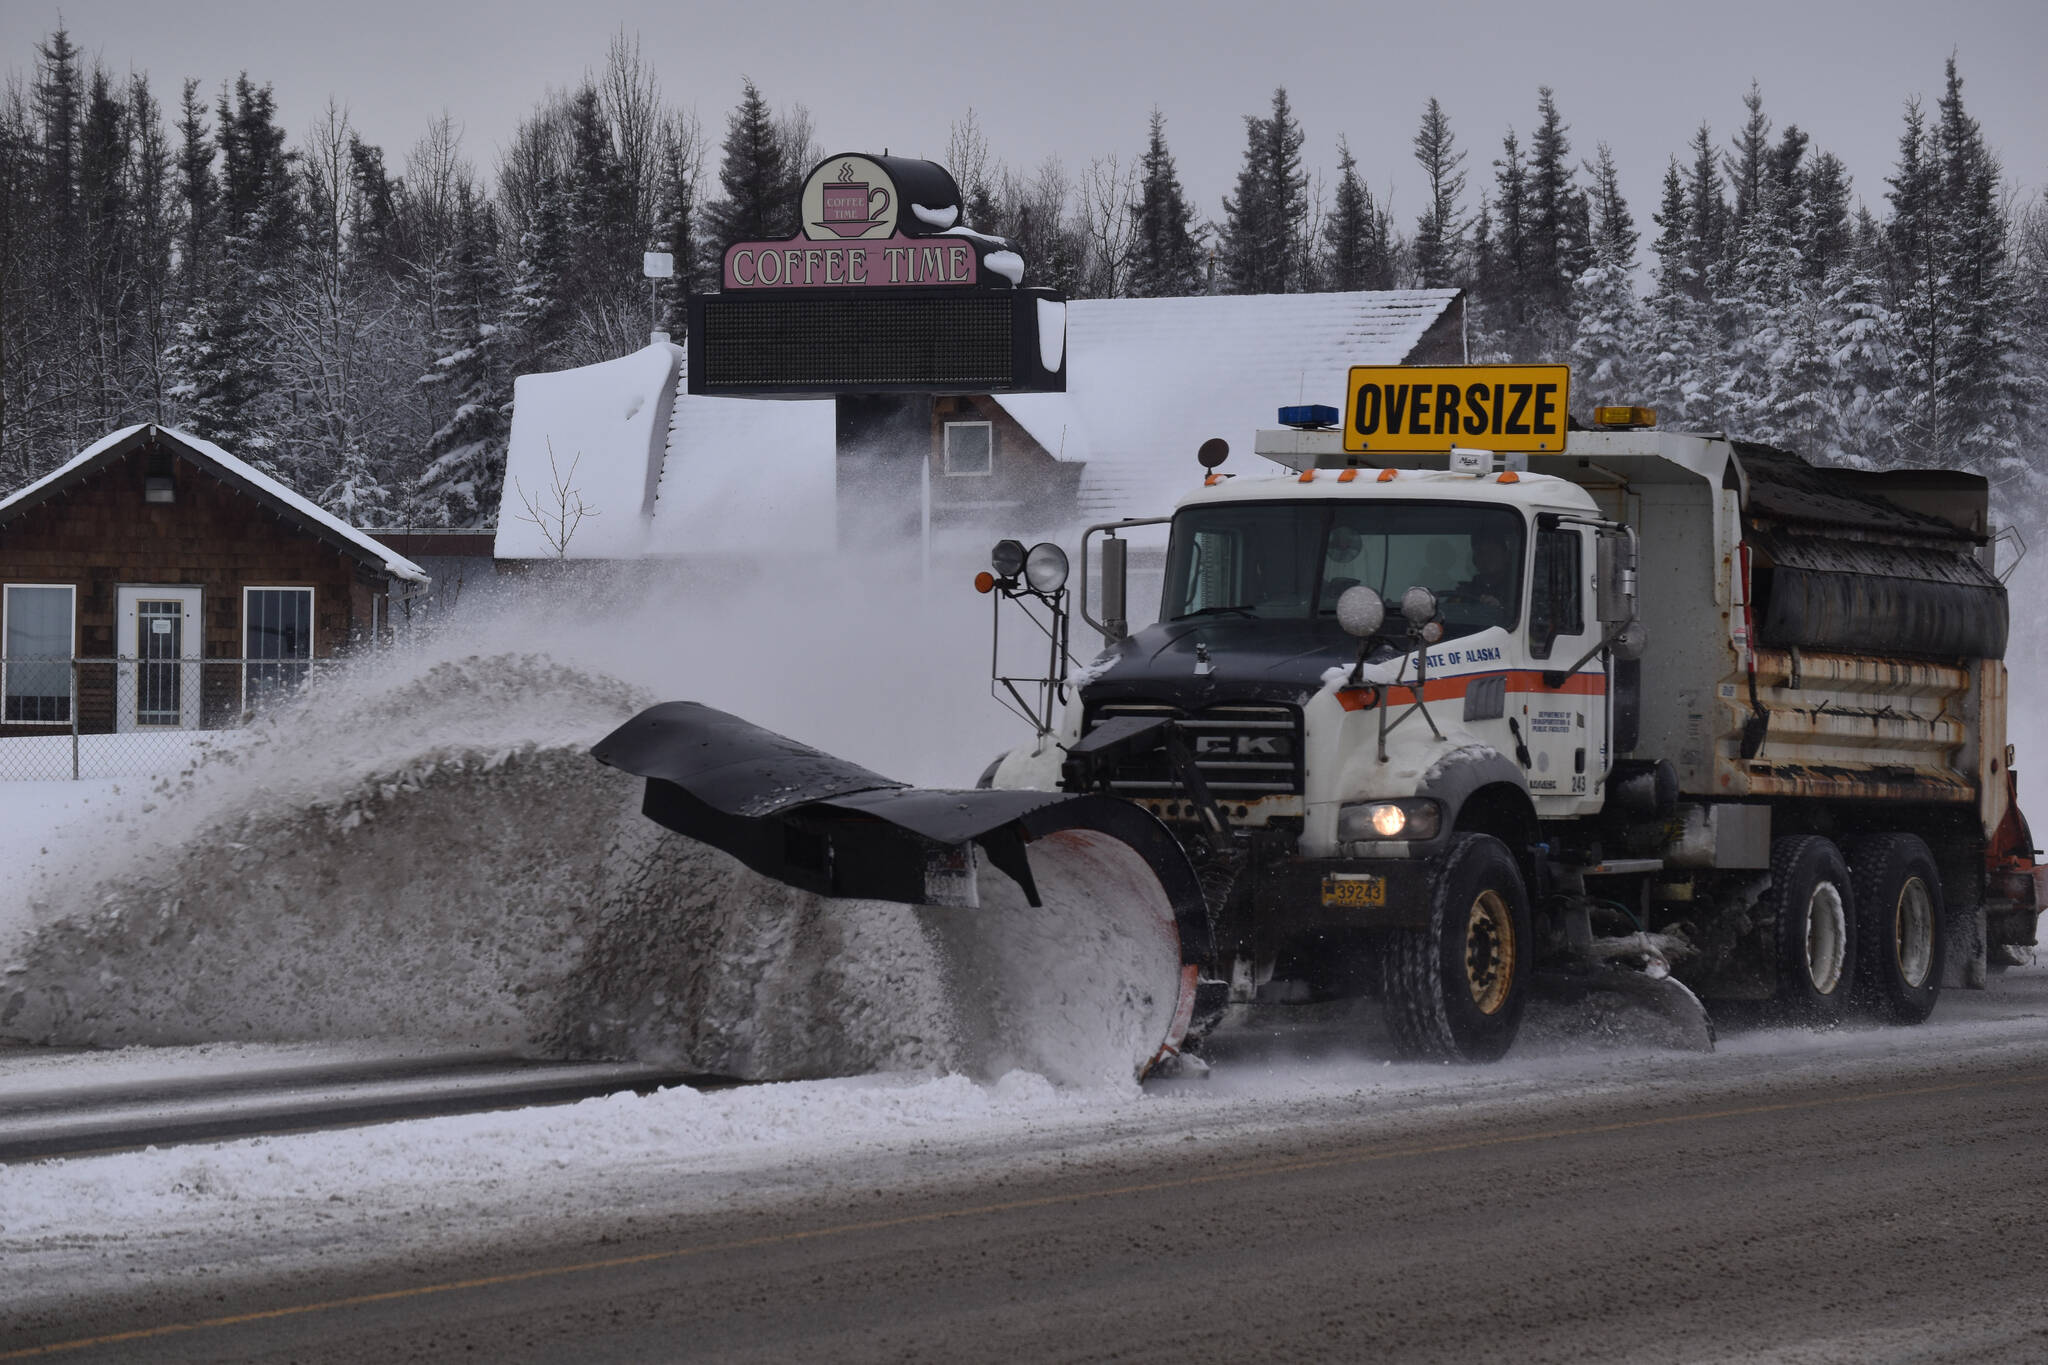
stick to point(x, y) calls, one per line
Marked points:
point(436, 856)
point(423, 849)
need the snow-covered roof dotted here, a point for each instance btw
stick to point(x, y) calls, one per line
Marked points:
point(745, 475)
point(1148, 380)
point(596, 435)
point(230, 469)
point(660, 471)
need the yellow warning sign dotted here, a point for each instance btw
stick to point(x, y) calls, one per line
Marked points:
point(1404, 409)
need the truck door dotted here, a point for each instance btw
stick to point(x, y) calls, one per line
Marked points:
point(1564, 723)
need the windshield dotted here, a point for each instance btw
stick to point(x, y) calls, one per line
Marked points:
point(1291, 561)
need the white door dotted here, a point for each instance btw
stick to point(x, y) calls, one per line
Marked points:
point(157, 636)
point(1564, 718)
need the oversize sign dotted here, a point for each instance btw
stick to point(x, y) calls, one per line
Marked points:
point(1419, 409)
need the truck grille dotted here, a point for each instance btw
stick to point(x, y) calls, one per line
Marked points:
point(1244, 750)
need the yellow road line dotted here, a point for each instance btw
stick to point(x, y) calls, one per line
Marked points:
point(1010, 1206)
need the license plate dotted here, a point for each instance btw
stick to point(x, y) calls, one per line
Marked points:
point(1354, 889)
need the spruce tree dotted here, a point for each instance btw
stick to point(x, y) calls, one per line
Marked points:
point(1824, 230)
point(1707, 231)
point(1751, 162)
point(1507, 289)
point(1355, 236)
point(1557, 248)
point(753, 175)
point(1164, 261)
point(1265, 246)
point(1440, 231)
point(1607, 320)
point(675, 231)
point(152, 196)
point(540, 310)
point(1864, 349)
point(1672, 333)
point(198, 197)
point(464, 474)
point(604, 241)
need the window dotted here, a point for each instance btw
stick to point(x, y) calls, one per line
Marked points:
point(277, 640)
point(970, 448)
point(1555, 605)
point(1292, 561)
point(37, 658)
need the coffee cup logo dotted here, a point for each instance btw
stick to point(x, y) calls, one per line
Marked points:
point(850, 207)
point(848, 198)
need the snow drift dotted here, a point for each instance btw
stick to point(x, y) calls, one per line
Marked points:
point(427, 851)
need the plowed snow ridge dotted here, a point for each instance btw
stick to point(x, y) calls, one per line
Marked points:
point(431, 853)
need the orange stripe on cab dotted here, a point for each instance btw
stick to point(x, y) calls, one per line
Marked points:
point(1446, 689)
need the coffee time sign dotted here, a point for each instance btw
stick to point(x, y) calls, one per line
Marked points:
point(852, 236)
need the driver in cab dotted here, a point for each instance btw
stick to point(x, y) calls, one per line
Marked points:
point(1492, 584)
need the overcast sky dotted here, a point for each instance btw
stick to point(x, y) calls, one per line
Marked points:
point(1075, 78)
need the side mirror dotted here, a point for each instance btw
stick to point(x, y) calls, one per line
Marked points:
point(1116, 619)
point(1361, 612)
point(1616, 588)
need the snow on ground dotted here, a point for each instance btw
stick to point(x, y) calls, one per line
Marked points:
point(69, 1227)
point(414, 745)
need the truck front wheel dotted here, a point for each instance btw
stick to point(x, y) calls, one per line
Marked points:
point(1899, 919)
point(1815, 906)
point(1455, 990)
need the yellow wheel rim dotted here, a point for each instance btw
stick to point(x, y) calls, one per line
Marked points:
point(1489, 952)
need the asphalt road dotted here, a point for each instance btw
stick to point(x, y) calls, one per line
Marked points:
point(1868, 1211)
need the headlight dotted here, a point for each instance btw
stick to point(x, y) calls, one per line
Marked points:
point(1369, 820)
point(1418, 604)
point(1361, 612)
point(1007, 558)
point(1045, 568)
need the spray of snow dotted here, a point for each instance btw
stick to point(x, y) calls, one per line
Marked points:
point(422, 848)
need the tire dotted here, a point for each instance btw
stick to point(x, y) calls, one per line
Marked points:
point(1901, 948)
point(1814, 903)
point(1455, 991)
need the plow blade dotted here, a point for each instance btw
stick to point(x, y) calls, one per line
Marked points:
point(1094, 891)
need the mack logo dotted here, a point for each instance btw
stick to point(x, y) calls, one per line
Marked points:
point(1407, 408)
point(1244, 746)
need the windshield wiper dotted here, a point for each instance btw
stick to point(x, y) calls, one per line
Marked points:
point(1211, 611)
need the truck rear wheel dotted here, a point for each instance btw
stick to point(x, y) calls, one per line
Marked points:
point(1815, 904)
point(1455, 990)
point(1900, 945)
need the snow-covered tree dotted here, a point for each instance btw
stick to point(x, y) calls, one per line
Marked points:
point(463, 478)
point(1607, 320)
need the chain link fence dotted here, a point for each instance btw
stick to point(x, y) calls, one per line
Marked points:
point(69, 719)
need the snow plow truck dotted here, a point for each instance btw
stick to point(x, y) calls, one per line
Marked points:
point(1440, 714)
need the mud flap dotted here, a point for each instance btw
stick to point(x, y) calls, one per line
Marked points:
point(834, 828)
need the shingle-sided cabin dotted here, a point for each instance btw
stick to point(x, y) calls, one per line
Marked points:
point(157, 582)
